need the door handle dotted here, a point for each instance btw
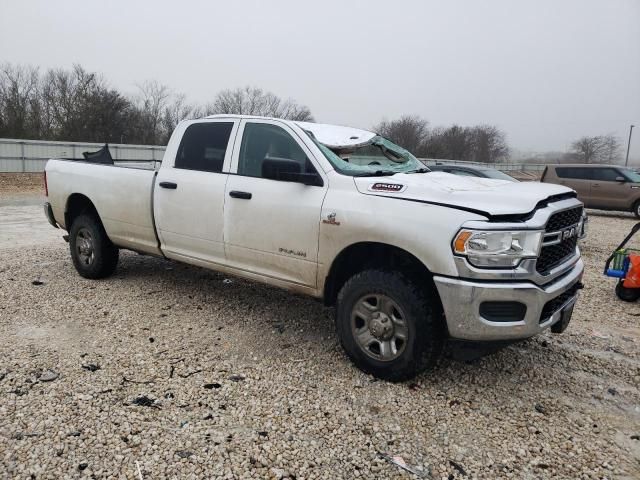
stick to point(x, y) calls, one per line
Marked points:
point(169, 185)
point(238, 194)
point(595, 184)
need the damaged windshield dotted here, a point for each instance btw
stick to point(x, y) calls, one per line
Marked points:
point(378, 156)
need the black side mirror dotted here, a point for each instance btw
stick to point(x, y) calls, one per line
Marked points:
point(287, 170)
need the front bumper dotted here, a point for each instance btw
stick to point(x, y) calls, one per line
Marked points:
point(461, 300)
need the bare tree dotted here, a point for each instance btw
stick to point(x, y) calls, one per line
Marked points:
point(612, 148)
point(18, 101)
point(453, 143)
point(488, 144)
point(409, 131)
point(152, 101)
point(175, 112)
point(481, 143)
point(598, 149)
point(255, 101)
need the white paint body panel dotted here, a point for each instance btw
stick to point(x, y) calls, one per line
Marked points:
point(495, 197)
point(122, 197)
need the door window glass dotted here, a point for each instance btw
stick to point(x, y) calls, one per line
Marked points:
point(578, 173)
point(605, 174)
point(204, 146)
point(263, 141)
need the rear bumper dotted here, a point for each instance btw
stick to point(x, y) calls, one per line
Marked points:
point(48, 212)
point(462, 300)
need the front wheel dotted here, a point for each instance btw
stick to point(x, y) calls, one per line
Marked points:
point(627, 294)
point(389, 326)
point(93, 254)
point(636, 209)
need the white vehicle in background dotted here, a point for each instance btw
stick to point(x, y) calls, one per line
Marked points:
point(409, 258)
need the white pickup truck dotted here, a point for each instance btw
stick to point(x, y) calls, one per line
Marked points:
point(409, 258)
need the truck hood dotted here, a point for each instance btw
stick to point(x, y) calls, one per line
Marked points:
point(486, 196)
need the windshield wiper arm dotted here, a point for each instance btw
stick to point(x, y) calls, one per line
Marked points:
point(377, 173)
point(419, 170)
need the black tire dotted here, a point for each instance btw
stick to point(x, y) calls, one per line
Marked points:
point(636, 209)
point(421, 314)
point(102, 258)
point(627, 294)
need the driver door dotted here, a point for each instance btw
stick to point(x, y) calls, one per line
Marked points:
point(271, 227)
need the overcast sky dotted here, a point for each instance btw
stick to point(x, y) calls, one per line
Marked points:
point(545, 71)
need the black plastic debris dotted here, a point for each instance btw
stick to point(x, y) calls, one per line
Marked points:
point(541, 409)
point(92, 367)
point(209, 386)
point(83, 466)
point(184, 453)
point(458, 467)
point(144, 401)
point(236, 378)
point(37, 282)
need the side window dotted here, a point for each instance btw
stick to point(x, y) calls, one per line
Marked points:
point(605, 174)
point(263, 141)
point(577, 173)
point(203, 146)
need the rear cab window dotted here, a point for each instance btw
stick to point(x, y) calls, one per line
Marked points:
point(203, 146)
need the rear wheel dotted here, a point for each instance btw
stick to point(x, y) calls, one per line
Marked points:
point(93, 254)
point(627, 294)
point(636, 209)
point(388, 325)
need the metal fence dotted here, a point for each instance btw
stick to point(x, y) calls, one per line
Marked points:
point(32, 155)
point(505, 167)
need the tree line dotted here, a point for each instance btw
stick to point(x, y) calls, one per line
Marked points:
point(480, 143)
point(78, 105)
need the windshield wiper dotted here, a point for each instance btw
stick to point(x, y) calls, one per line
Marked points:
point(377, 173)
point(419, 170)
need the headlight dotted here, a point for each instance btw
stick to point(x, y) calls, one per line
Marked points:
point(497, 248)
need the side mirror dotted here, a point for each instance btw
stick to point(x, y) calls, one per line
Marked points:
point(287, 170)
point(621, 179)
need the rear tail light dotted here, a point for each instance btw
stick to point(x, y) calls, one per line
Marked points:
point(46, 188)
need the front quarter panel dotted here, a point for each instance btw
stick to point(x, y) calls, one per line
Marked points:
point(349, 217)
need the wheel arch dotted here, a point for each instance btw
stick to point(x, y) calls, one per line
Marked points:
point(366, 255)
point(78, 204)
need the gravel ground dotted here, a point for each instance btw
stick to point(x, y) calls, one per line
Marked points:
point(170, 371)
point(20, 184)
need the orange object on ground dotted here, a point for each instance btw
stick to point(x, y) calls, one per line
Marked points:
point(632, 278)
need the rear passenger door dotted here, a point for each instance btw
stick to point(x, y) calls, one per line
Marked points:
point(579, 179)
point(189, 194)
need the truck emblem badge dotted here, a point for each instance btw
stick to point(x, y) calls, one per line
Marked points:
point(331, 219)
point(569, 233)
point(387, 187)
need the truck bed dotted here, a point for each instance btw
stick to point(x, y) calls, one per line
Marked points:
point(121, 193)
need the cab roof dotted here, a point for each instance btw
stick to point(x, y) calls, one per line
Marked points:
point(333, 136)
